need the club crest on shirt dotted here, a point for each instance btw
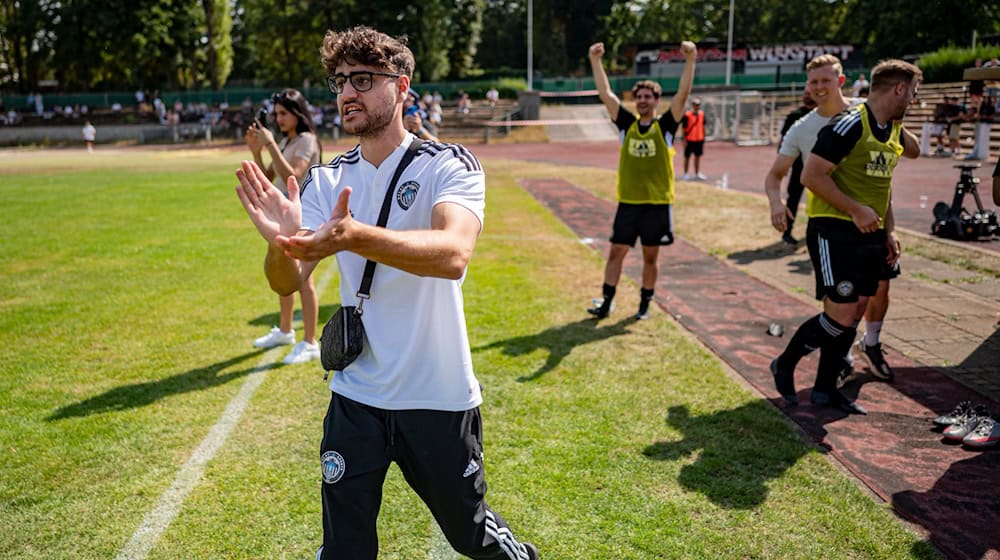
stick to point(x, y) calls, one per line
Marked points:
point(406, 194)
point(643, 148)
point(333, 466)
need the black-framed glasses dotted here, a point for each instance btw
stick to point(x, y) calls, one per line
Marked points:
point(361, 80)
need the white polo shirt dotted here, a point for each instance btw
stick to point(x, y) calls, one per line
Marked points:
point(416, 352)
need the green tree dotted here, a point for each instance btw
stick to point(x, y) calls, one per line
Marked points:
point(26, 42)
point(896, 28)
point(218, 41)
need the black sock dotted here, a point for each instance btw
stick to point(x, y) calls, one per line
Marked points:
point(608, 291)
point(645, 296)
point(831, 359)
point(811, 335)
point(609, 294)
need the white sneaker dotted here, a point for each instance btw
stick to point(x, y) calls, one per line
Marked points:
point(302, 353)
point(687, 177)
point(701, 177)
point(275, 338)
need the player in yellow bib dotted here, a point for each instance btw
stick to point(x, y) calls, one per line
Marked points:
point(849, 174)
point(645, 175)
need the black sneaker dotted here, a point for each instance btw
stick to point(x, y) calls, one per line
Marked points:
point(532, 551)
point(873, 355)
point(837, 400)
point(600, 310)
point(787, 238)
point(784, 381)
point(955, 416)
point(643, 312)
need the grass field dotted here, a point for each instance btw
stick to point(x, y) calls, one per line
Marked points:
point(131, 286)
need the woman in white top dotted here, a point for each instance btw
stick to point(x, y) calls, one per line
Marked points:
point(297, 151)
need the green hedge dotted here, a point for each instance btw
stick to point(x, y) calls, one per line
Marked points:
point(948, 63)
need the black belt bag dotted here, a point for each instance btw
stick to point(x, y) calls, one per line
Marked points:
point(343, 338)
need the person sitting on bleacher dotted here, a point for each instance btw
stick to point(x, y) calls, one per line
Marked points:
point(956, 115)
point(939, 124)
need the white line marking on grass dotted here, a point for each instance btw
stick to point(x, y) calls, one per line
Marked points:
point(166, 509)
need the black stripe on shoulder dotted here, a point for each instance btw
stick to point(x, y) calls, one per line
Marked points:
point(309, 179)
point(351, 156)
point(457, 150)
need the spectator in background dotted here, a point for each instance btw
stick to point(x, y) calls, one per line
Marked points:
point(693, 123)
point(939, 125)
point(982, 115)
point(955, 115)
point(39, 104)
point(492, 96)
point(415, 118)
point(89, 135)
point(795, 178)
point(464, 103)
point(292, 157)
point(434, 115)
point(860, 84)
point(161, 108)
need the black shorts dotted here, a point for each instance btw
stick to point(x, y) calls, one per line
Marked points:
point(694, 148)
point(847, 264)
point(653, 224)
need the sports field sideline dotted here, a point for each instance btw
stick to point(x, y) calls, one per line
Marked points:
point(138, 421)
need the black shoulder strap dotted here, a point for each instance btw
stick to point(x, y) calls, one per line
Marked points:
point(364, 292)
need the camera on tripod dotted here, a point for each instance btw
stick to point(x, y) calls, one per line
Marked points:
point(955, 222)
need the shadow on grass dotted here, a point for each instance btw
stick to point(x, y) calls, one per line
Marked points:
point(739, 452)
point(559, 341)
point(142, 394)
point(271, 319)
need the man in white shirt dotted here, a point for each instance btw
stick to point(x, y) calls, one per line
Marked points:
point(411, 396)
point(824, 81)
point(858, 85)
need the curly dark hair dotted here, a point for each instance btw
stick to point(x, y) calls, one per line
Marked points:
point(366, 46)
point(650, 85)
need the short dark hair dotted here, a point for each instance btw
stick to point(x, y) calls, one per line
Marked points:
point(366, 46)
point(647, 84)
point(888, 73)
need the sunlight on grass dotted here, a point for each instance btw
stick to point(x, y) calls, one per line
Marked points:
point(131, 286)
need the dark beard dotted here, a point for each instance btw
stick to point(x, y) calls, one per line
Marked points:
point(377, 121)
